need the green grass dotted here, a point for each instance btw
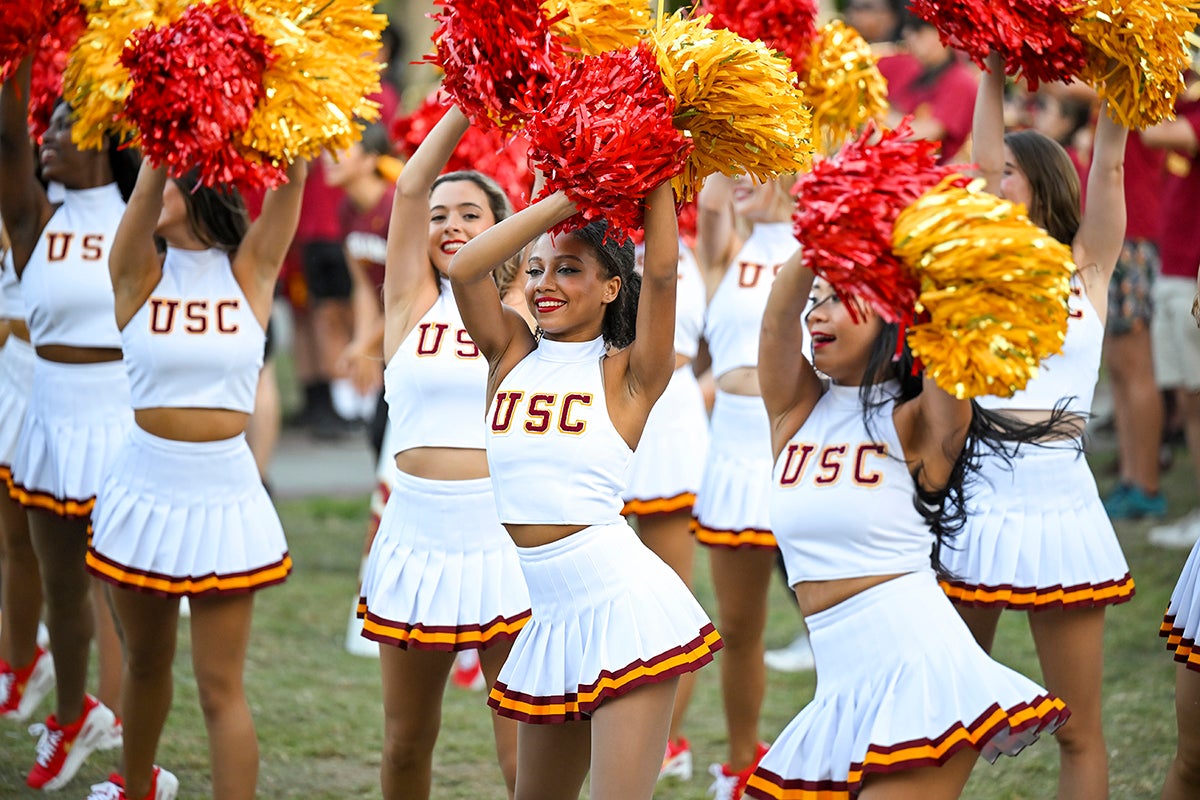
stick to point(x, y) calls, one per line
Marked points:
point(320, 724)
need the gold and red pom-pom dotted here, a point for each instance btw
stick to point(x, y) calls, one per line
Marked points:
point(1137, 53)
point(499, 57)
point(737, 101)
point(842, 85)
point(50, 56)
point(504, 160)
point(1034, 36)
point(993, 289)
point(785, 26)
point(196, 82)
point(846, 208)
point(606, 137)
point(591, 27)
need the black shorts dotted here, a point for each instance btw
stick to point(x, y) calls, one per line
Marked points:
point(325, 271)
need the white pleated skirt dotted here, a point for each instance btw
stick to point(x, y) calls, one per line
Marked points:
point(76, 421)
point(1181, 623)
point(16, 382)
point(1036, 537)
point(733, 506)
point(442, 573)
point(186, 519)
point(608, 616)
point(901, 684)
point(665, 472)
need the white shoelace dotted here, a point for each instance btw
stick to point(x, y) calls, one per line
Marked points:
point(48, 743)
point(723, 786)
point(7, 681)
point(105, 791)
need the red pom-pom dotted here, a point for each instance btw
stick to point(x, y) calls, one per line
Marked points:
point(49, 63)
point(498, 55)
point(25, 22)
point(1034, 36)
point(785, 26)
point(195, 83)
point(846, 209)
point(505, 161)
point(606, 137)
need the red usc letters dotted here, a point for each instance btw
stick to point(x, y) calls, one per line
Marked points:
point(59, 243)
point(198, 315)
point(541, 412)
point(830, 463)
point(431, 334)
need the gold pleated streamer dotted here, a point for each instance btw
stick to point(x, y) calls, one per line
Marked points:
point(994, 287)
point(592, 27)
point(842, 85)
point(737, 100)
point(1137, 52)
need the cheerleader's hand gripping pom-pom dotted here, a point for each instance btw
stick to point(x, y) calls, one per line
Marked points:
point(96, 82)
point(846, 208)
point(1137, 53)
point(606, 137)
point(499, 56)
point(591, 27)
point(786, 26)
point(842, 85)
point(1034, 36)
point(322, 71)
point(196, 83)
point(736, 99)
point(993, 289)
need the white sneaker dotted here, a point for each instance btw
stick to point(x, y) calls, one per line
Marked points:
point(796, 657)
point(1183, 533)
point(356, 645)
point(724, 787)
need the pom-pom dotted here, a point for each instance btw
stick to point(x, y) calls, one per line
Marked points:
point(737, 101)
point(499, 56)
point(96, 82)
point(994, 286)
point(842, 85)
point(505, 161)
point(606, 138)
point(591, 27)
point(1034, 36)
point(785, 26)
point(846, 208)
point(196, 82)
point(49, 62)
point(25, 22)
point(317, 84)
point(1137, 52)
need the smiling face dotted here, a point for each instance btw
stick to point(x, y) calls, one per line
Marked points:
point(1014, 186)
point(841, 346)
point(61, 160)
point(568, 289)
point(458, 212)
point(760, 202)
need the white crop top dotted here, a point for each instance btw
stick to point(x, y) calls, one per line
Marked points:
point(1072, 374)
point(11, 304)
point(690, 300)
point(195, 343)
point(735, 312)
point(842, 496)
point(554, 454)
point(436, 383)
point(66, 286)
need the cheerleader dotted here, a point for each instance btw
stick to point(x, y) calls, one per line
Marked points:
point(79, 403)
point(183, 512)
point(866, 474)
point(665, 472)
point(732, 514)
point(26, 669)
point(1180, 627)
point(1037, 538)
point(441, 575)
point(592, 676)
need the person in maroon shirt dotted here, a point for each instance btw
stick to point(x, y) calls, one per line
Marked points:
point(930, 82)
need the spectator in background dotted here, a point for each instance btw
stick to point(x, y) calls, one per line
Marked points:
point(929, 81)
point(877, 21)
point(1065, 115)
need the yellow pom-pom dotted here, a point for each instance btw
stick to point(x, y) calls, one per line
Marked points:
point(994, 287)
point(842, 85)
point(592, 27)
point(317, 86)
point(1137, 52)
point(95, 84)
point(737, 100)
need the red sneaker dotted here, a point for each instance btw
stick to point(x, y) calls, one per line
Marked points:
point(61, 750)
point(164, 787)
point(677, 762)
point(468, 672)
point(22, 690)
point(729, 785)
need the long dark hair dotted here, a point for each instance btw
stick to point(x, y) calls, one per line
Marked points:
point(990, 434)
point(1053, 182)
point(217, 216)
point(620, 317)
